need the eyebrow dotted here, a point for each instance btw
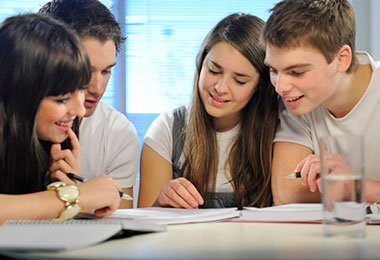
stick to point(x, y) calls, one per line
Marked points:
point(295, 66)
point(236, 73)
point(108, 67)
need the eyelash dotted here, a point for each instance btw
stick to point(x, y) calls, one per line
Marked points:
point(213, 72)
point(240, 82)
point(216, 73)
point(63, 100)
point(272, 71)
point(297, 73)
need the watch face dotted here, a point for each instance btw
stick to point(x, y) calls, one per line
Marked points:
point(68, 193)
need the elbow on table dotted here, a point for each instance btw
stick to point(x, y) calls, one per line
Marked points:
point(286, 196)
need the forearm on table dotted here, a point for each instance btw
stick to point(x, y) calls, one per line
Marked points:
point(286, 156)
point(372, 190)
point(39, 205)
point(293, 192)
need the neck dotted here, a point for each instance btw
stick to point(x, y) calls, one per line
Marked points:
point(351, 90)
point(225, 124)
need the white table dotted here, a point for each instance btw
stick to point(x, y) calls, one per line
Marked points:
point(229, 241)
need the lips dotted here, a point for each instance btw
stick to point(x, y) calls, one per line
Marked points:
point(293, 99)
point(64, 123)
point(218, 99)
point(90, 103)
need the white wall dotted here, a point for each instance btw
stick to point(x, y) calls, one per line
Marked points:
point(367, 14)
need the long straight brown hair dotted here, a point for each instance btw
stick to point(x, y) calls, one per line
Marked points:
point(250, 157)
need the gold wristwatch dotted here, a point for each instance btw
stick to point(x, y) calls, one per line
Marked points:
point(68, 194)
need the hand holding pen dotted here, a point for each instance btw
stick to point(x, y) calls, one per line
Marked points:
point(99, 194)
point(81, 179)
point(309, 171)
point(294, 175)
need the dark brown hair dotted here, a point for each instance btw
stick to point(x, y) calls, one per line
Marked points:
point(89, 18)
point(39, 57)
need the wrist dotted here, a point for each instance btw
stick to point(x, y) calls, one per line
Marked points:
point(69, 194)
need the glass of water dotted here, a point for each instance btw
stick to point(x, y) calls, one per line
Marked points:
point(343, 194)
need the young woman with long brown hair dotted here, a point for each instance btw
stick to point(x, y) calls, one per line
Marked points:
point(216, 151)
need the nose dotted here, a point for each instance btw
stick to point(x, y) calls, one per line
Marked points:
point(77, 105)
point(281, 83)
point(221, 86)
point(95, 87)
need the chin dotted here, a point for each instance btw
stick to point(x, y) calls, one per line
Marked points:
point(300, 112)
point(89, 111)
point(59, 139)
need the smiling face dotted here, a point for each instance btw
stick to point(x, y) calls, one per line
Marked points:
point(55, 115)
point(226, 84)
point(303, 77)
point(102, 57)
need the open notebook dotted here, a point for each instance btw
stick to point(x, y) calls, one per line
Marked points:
point(170, 216)
point(68, 234)
point(292, 213)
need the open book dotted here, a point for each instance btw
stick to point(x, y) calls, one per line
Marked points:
point(68, 234)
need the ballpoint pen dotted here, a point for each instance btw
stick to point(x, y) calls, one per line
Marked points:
point(294, 175)
point(81, 179)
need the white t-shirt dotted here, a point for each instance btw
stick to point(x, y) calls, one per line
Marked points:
point(159, 138)
point(109, 145)
point(363, 119)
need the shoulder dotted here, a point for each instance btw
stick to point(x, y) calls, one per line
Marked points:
point(159, 135)
point(174, 114)
point(365, 58)
point(107, 121)
point(110, 117)
point(162, 123)
point(107, 112)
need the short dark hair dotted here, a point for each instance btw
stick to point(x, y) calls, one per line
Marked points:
point(326, 25)
point(89, 18)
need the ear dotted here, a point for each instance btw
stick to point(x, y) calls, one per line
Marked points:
point(344, 57)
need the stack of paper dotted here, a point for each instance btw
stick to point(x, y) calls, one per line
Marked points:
point(297, 212)
point(169, 216)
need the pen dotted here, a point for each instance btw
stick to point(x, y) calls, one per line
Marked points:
point(294, 175)
point(81, 179)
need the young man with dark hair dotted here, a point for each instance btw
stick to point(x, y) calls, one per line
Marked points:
point(108, 140)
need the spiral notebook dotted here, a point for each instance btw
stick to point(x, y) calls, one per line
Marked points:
point(54, 235)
